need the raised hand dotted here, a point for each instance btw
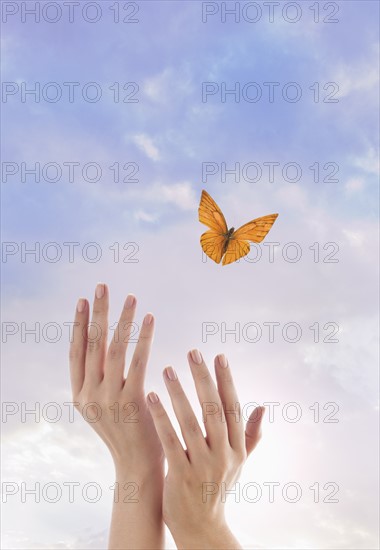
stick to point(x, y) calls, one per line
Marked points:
point(116, 408)
point(193, 507)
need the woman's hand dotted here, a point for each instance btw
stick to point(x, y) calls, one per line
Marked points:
point(193, 502)
point(116, 408)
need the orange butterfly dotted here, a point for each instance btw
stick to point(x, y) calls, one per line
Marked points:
point(220, 242)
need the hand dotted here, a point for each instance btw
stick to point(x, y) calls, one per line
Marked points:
point(116, 408)
point(193, 507)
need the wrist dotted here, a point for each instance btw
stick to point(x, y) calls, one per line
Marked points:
point(135, 484)
point(208, 536)
point(137, 510)
point(130, 471)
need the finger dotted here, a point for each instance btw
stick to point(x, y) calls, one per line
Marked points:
point(191, 430)
point(97, 336)
point(78, 346)
point(137, 369)
point(115, 363)
point(173, 449)
point(209, 398)
point(253, 429)
point(230, 402)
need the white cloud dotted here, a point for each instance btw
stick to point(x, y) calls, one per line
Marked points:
point(145, 216)
point(147, 146)
point(369, 162)
point(355, 238)
point(180, 194)
point(357, 79)
point(354, 185)
point(170, 85)
point(155, 87)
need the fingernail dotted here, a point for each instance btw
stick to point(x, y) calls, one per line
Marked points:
point(99, 292)
point(148, 319)
point(222, 361)
point(153, 397)
point(129, 302)
point(196, 356)
point(171, 373)
point(81, 305)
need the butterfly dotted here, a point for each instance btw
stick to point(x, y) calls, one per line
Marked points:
point(220, 242)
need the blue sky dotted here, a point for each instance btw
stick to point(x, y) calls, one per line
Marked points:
point(169, 133)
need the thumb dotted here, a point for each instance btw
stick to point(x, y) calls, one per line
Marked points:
point(253, 429)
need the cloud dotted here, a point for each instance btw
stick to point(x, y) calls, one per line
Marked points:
point(354, 185)
point(173, 84)
point(368, 162)
point(180, 194)
point(358, 78)
point(146, 144)
point(157, 196)
point(141, 215)
point(355, 238)
point(156, 87)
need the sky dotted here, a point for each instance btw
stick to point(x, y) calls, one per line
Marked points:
point(138, 106)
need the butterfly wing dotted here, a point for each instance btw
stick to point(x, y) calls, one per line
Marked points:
point(236, 249)
point(211, 215)
point(213, 241)
point(254, 231)
point(213, 245)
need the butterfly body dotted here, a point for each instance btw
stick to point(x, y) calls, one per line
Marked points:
point(228, 245)
point(228, 237)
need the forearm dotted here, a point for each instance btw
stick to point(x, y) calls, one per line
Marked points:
point(211, 537)
point(137, 513)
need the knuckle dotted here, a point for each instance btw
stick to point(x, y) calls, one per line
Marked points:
point(143, 338)
point(219, 415)
point(241, 455)
point(204, 376)
point(138, 363)
point(191, 424)
point(93, 346)
point(176, 389)
point(109, 397)
point(74, 354)
point(159, 412)
point(114, 353)
point(221, 469)
point(85, 398)
point(226, 376)
point(170, 439)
